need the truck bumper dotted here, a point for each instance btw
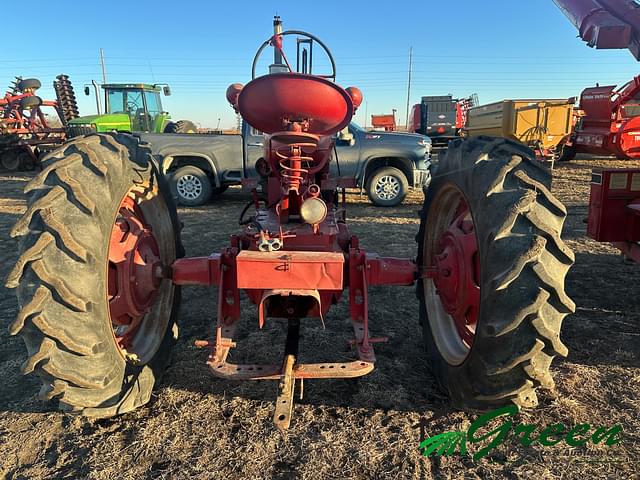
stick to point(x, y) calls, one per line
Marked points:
point(422, 179)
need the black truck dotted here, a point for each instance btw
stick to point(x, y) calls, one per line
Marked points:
point(441, 117)
point(384, 164)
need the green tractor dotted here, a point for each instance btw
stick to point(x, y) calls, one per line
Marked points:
point(129, 107)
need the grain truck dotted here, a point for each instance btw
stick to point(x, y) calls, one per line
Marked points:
point(544, 125)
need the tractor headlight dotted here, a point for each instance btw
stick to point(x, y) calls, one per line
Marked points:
point(313, 210)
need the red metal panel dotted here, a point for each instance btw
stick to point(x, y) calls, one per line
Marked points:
point(290, 270)
point(596, 103)
point(612, 192)
point(628, 138)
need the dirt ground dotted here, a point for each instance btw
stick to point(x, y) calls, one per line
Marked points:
point(197, 426)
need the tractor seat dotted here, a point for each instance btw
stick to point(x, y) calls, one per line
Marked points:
point(271, 102)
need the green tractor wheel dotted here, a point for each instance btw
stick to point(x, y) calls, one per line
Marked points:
point(181, 126)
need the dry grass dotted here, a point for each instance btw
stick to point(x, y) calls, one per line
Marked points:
point(198, 426)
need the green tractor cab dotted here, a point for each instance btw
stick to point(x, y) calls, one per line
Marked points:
point(129, 107)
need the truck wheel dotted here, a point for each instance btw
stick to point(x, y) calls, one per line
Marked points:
point(493, 265)
point(387, 187)
point(566, 153)
point(97, 316)
point(181, 126)
point(191, 186)
point(28, 84)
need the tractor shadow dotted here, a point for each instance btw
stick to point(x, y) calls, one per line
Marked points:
point(605, 329)
point(13, 184)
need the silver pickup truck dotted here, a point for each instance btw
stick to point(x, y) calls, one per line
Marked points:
point(384, 164)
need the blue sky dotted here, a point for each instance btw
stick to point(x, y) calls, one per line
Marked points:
point(495, 48)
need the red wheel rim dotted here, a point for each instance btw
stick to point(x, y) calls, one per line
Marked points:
point(457, 268)
point(452, 267)
point(133, 270)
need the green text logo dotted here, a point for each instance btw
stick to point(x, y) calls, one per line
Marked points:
point(449, 443)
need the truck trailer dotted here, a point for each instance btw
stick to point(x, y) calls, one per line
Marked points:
point(544, 125)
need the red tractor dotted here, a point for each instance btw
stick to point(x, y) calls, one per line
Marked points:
point(101, 263)
point(609, 122)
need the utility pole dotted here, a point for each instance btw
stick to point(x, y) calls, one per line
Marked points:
point(104, 70)
point(409, 87)
point(366, 109)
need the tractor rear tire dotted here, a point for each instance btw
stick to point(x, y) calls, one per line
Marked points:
point(64, 275)
point(181, 126)
point(28, 83)
point(499, 351)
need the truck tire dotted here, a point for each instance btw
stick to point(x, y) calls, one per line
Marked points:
point(181, 126)
point(387, 187)
point(98, 340)
point(28, 84)
point(566, 153)
point(191, 186)
point(493, 265)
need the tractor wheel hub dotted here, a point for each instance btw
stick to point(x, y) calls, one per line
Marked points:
point(457, 273)
point(134, 263)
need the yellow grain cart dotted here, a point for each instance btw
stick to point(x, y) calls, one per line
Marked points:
point(542, 124)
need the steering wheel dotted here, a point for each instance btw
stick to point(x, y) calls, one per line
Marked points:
point(132, 107)
point(276, 42)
